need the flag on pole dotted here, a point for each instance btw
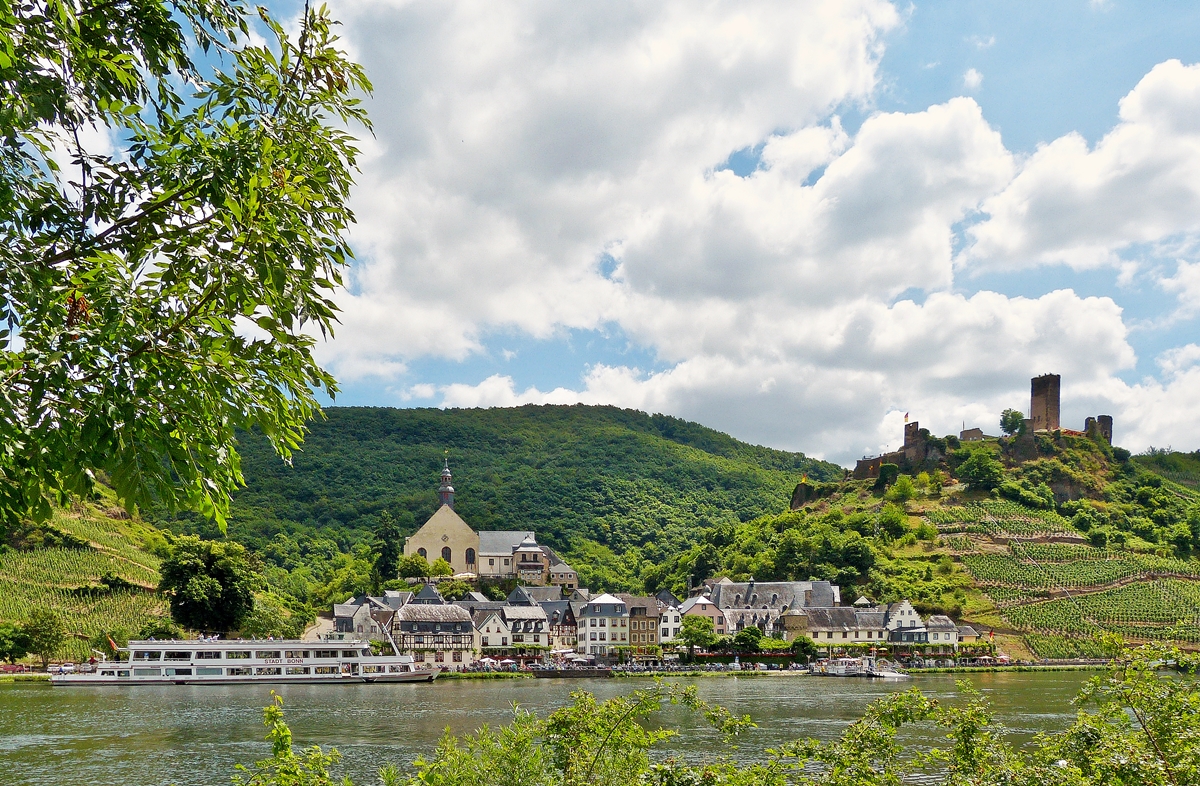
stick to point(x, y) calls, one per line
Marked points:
point(905, 417)
point(111, 643)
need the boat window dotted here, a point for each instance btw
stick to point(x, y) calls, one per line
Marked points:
point(373, 669)
point(326, 669)
point(366, 653)
point(208, 655)
point(146, 672)
point(239, 671)
point(146, 655)
point(267, 654)
point(397, 669)
point(178, 655)
point(208, 671)
point(108, 674)
point(298, 670)
point(122, 673)
point(350, 653)
point(325, 654)
point(237, 654)
point(295, 653)
point(270, 670)
point(179, 672)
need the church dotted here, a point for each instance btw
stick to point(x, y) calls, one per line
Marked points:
point(497, 554)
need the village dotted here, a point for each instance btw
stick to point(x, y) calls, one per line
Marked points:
point(547, 621)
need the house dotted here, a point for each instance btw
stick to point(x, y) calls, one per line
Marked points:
point(491, 631)
point(669, 622)
point(563, 575)
point(942, 630)
point(703, 606)
point(904, 624)
point(644, 616)
point(433, 631)
point(368, 615)
point(841, 625)
point(602, 626)
point(969, 635)
point(668, 597)
point(562, 632)
point(496, 554)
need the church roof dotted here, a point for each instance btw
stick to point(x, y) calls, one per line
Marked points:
point(501, 542)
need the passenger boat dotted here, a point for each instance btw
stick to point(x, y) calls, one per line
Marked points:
point(237, 661)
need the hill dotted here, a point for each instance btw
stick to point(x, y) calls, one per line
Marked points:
point(92, 564)
point(609, 487)
point(1063, 540)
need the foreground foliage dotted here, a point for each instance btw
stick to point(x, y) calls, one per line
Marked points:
point(1138, 725)
point(131, 278)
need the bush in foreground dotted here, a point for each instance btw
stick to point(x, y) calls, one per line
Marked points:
point(1137, 726)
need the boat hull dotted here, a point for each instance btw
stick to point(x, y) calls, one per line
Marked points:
point(333, 679)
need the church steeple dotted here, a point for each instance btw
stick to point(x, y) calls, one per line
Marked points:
point(446, 491)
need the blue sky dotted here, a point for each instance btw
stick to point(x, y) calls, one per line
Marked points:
point(724, 214)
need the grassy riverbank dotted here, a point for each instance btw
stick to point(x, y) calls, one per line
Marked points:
point(35, 677)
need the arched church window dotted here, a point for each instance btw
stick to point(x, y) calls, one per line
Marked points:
point(470, 556)
point(423, 554)
point(446, 553)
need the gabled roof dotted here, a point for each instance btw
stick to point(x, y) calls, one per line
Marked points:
point(428, 595)
point(539, 594)
point(561, 567)
point(668, 597)
point(605, 598)
point(558, 612)
point(520, 597)
point(651, 605)
point(843, 618)
point(445, 519)
point(691, 602)
point(501, 542)
point(477, 596)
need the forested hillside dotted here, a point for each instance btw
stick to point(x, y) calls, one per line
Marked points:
point(612, 487)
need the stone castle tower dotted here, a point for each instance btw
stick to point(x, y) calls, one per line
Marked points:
point(1043, 402)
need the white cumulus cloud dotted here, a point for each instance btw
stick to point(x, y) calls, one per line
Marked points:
point(544, 167)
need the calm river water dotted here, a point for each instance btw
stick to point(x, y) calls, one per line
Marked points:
point(152, 736)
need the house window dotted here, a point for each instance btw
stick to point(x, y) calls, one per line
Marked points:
point(439, 656)
point(935, 637)
point(470, 556)
point(491, 563)
point(507, 562)
point(458, 656)
point(423, 553)
point(446, 553)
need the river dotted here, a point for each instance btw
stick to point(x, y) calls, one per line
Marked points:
point(193, 736)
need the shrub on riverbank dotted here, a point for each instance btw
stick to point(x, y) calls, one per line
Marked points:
point(1135, 727)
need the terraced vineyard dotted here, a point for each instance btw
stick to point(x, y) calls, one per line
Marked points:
point(69, 580)
point(1167, 609)
point(996, 517)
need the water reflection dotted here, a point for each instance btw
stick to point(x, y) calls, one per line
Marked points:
point(190, 735)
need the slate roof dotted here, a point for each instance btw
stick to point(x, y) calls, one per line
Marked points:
point(543, 594)
point(524, 613)
point(667, 597)
point(520, 597)
point(556, 611)
point(940, 622)
point(844, 618)
point(775, 594)
point(421, 612)
point(501, 542)
point(476, 606)
point(428, 595)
